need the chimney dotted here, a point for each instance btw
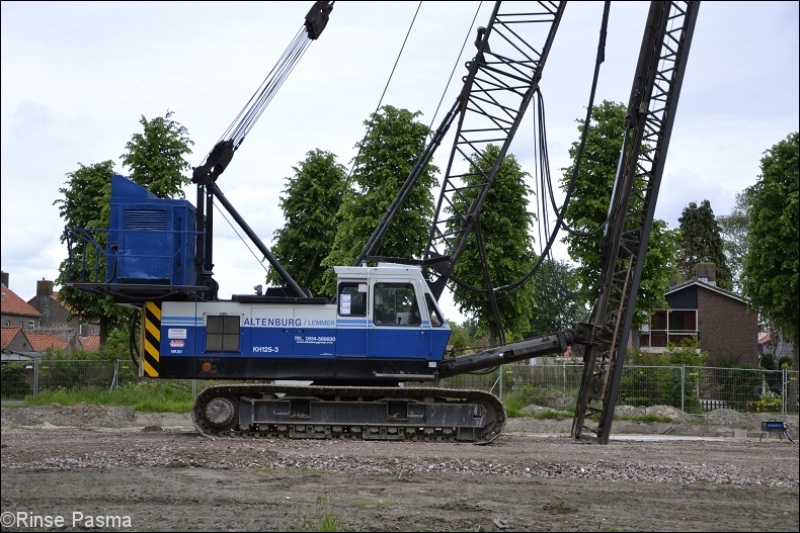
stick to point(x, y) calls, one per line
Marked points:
point(4, 280)
point(706, 272)
point(44, 288)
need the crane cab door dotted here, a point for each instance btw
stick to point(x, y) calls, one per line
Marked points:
point(397, 331)
point(351, 319)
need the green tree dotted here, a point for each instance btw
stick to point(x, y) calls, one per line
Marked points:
point(156, 156)
point(734, 229)
point(770, 268)
point(701, 242)
point(555, 307)
point(394, 142)
point(588, 209)
point(309, 204)
point(156, 160)
point(460, 339)
point(86, 203)
point(659, 270)
point(505, 224)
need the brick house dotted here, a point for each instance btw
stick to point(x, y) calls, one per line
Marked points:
point(14, 311)
point(14, 345)
point(55, 314)
point(21, 345)
point(721, 320)
point(31, 328)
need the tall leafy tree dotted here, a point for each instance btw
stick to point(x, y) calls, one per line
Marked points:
point(394, 141)
point(770, 268)
point(734, 229)
point(588, 210)
point(155, 157)
point(701, 242)
point(156, 160)
point(309, 204)
point(505, 224)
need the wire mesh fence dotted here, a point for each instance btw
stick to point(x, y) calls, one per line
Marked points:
point(555, 386)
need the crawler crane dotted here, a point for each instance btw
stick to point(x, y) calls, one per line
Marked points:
point(384, 330)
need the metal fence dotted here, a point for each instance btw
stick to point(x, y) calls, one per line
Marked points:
point(691, 389)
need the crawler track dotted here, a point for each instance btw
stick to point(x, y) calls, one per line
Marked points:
point(361, 413)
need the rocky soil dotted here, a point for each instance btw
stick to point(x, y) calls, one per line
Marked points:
point(109, 464)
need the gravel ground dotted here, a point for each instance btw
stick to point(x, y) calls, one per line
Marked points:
point(160, 474)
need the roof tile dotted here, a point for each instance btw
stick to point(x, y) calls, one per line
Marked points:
point(41, 341)
point(12, 304)
point(9, 332)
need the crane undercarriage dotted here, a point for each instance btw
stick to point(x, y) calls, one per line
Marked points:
point(343, 412)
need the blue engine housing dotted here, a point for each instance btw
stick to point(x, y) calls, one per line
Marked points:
point(151, 240)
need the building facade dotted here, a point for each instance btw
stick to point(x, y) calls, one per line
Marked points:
point(720, 320)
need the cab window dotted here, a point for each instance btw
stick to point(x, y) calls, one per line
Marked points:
point(433, 312)
point(395, 304)
point(352, 299)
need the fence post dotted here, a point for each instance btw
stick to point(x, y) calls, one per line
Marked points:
point(35, 376)
point(784, 391)
point(115, 378)
point(683, 388)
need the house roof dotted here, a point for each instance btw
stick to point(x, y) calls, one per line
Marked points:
point(9, 332)
point(42, 340)
point(54, 296)
point(90, 343)
point(11, 304)
point(705, 285)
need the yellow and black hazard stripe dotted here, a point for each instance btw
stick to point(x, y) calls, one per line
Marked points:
point(151, 342)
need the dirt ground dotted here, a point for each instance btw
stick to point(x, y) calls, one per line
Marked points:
point(74, 469)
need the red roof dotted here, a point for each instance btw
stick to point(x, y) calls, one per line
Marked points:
point(14, 305)
point(90, 343)
point(41, 341)
point(9, 332)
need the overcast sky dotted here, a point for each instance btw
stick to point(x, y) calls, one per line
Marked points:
point(78, 76)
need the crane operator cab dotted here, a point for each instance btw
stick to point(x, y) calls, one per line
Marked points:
point(393, 313)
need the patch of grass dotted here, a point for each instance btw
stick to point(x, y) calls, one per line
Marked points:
point(649, 418)
point(560, 506)
point(553, 415)
point(378, 503)
point(325, 516)
point(545, 414)
point(163, 397)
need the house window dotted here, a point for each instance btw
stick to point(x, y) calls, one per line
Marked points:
point(669, 327)
point(222, 333)
point(682, 325)
point(31, 324)
point(659, 321)
point(683, 320)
